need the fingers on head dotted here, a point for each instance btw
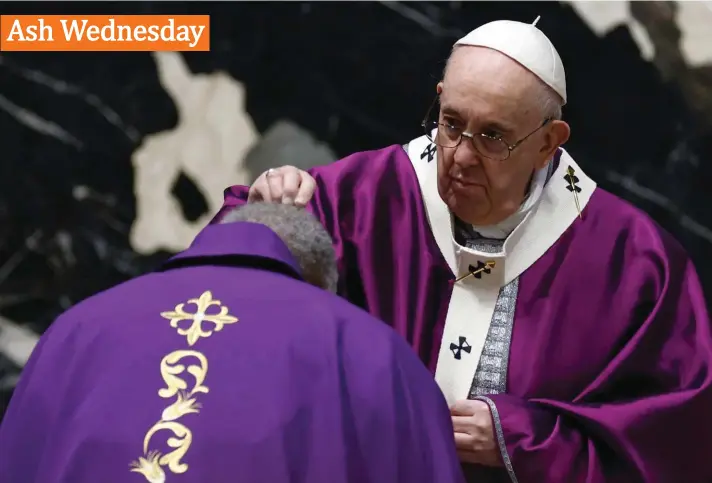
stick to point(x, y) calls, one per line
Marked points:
point(306, 189)
point(259, 191)
point(274, 186)
point(287, 185)
point(291, 179)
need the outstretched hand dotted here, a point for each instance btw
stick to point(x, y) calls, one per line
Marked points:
point(287, 185)
point(474, 433)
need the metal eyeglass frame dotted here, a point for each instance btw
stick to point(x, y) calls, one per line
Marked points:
point(471, 136)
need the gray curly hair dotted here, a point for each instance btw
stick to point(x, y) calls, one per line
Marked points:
point(307, 240)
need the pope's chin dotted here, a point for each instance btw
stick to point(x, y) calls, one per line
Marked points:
point(463, 200)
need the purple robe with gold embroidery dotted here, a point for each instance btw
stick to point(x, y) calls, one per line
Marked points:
point(225, 367)
point(609, 370)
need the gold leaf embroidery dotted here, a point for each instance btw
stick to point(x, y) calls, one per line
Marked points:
point(182, 406)
point(149, 467)
point(151, 464)
point(181, 442)
point(195, 331)
point(170, 373)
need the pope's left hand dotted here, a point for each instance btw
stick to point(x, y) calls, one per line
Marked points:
point(474, 433)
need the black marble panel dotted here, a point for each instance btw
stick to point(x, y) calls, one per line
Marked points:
point(356, 76)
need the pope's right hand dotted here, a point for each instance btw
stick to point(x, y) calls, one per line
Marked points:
point(287, 185)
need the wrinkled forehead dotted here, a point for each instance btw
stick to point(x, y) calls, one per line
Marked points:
point(481, 82)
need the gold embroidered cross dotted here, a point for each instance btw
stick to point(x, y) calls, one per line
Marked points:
point(195, 331)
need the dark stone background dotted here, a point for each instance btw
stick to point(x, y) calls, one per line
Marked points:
point(640, 129)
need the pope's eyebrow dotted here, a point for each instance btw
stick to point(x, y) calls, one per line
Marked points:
point(499, 126)
point(450, 111)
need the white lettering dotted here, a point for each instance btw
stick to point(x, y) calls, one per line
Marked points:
point(74, 30)
point(169, 27)
point(183, 35)
point(93, 33)
point(197, 33)
point(45, 29)
point(153, 33)
point(30, 33)
point(107, 32)
point(16, 30)
point(139, 33)
point(110, 32)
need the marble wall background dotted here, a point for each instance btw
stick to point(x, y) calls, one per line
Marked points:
point(113, 161)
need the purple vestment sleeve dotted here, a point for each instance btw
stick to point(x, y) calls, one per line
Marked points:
point(237, 195)
point(234, 196)
point(652, 431)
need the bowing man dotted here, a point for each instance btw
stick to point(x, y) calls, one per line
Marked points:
point(229, 364)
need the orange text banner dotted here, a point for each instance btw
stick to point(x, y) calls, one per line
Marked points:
point(104, 33)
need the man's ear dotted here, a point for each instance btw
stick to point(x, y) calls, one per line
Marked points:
point(439, 88)
point(557, 134)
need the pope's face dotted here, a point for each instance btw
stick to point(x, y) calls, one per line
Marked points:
point(486, 92)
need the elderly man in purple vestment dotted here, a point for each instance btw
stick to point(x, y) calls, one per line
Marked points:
point(225, 367)
point(566, 329)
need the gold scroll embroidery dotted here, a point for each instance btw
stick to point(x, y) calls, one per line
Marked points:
point(170, 371)
point(173, 366)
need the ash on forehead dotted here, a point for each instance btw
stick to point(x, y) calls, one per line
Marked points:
point(525, 44)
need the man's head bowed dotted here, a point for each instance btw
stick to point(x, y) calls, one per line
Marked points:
point(307, 240)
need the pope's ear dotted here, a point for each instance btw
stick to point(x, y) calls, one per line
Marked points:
point(557, 134)
point(439, 88)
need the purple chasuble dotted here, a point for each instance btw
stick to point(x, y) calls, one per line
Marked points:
point(608, 377)
point(225, 367)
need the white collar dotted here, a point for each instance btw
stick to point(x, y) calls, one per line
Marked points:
point(543, 223)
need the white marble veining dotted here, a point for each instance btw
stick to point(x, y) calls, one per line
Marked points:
point(63, 88)
point(38, 123)
point(605, 16)
point(16, 342)
point(694, 19)
point(209, 145)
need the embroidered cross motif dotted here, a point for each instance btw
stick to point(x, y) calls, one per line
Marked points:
point(430, 151)
point(199, 317)
point(481, 268)
point(458, 348)
point(476, 271)
point(573, 187)
point(572, 180)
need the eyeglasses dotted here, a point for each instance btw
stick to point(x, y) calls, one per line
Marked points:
point(492, 147)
